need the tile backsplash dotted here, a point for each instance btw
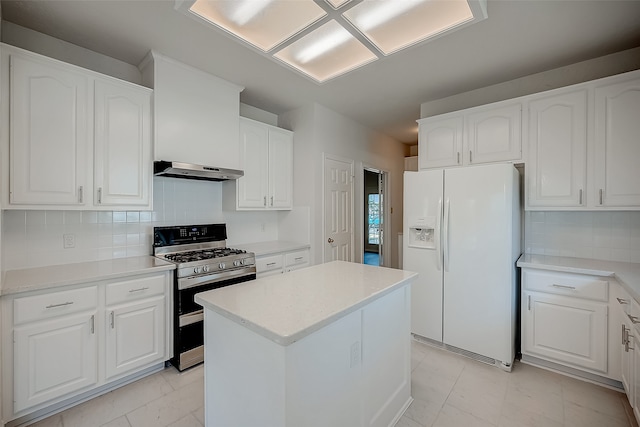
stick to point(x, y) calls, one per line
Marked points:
point(35, 238)
point(613, 236)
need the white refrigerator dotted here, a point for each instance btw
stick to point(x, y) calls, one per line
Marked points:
point(462, 235)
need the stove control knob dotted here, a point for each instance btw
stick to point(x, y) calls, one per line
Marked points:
point(243, 261)
point(221, 266)
point(205, 268)
point(236, 263)
point(197, 270)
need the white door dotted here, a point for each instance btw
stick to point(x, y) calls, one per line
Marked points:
point(122, 144)
point(54, 358)
point(617, 127)
point(440, 143)
point(48, 134)
point(422, 251)
point(493, 135)
point(557, 167)
point(280, 169)
point(135, 335)
point(479, 271)
point(338, 210)
point(254, 153)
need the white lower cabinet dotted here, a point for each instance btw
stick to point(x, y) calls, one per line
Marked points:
point(60, 344)
point(135, 336)
point(565, 319)
point(54, 358)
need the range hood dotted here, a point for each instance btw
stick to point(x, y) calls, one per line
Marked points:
point(191, 171)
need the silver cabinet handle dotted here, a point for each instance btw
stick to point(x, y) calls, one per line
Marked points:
point(529, 302)
point(93, 323)
point(80, 195)
point(458, 162)
point(270, 264)
point(626, 347)
point(112, 320)
point(581, 196)
point(265, 201)
point(298, 258)
point(624, 334)
point(139, 289)
point(470, 156)
point(601, 196)
point(622, 301)
point(564, 287)
point(271, 200)
point(633, 319)
point(59, 305)
point(99, 195)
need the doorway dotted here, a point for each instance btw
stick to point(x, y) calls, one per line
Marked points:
point(374, 211)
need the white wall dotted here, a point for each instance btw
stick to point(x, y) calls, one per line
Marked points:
point(319, 131)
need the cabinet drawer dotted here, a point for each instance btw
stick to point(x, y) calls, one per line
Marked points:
point(574, 285)
point(39, 307)
point(294, 258)
point(269, 263)
point(135, 289)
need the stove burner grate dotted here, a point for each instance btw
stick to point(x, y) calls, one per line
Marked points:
point(191, 256)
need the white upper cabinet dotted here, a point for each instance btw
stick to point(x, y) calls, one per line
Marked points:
point(556, 166)
point(480, 135)
point(266, 157)
point(122, 144)
point(617, 144)
point(49, 133)
point(439, 142)
point(493, 134)
point(77, 139)
point(196, 114)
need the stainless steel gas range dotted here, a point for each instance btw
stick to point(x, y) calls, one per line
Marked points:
point(203, 262)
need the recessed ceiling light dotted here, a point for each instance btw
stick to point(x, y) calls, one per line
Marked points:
point(325, 39)
point(262, 23)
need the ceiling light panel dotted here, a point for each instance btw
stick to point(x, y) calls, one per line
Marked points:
point(262, 23)
point(392, 25)
point(326, 52)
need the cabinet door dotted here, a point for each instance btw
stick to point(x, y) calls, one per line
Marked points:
point(439, 143)
point(254, 154)
point(53, 358)
point(122, 144)
point(566, 330)
point(280, 169)
point(635, 374)
point(135, 335)
point(493, 135)
point(48, 133)
point(556, 167)
point(617, 150)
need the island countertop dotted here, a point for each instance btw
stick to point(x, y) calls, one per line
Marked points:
point(287, 307)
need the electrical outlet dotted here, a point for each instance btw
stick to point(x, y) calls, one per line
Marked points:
point(69, 241)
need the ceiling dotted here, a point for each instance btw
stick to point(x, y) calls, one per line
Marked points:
point(518, 38)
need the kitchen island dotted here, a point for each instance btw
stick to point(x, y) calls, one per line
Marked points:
point(327, 345)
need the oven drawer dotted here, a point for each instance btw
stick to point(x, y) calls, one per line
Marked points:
point(46, 306)
point(135, 289)
point(269, 263)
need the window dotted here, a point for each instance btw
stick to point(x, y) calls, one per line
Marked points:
point(374, 219)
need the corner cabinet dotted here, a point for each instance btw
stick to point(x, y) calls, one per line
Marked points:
point(480, 135)
point(64, 345)
point(77, 139)
point(266, 157)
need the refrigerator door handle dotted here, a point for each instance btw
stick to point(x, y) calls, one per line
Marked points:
point(445, 235)
point(438, 235)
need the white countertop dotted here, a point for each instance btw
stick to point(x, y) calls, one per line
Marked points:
point(33, 279)
point(627, 273)
point(288, 307)
point(272, 247)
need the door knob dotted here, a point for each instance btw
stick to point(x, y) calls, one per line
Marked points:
point(330, 240)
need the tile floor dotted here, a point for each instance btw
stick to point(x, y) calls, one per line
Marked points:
point(448, 390)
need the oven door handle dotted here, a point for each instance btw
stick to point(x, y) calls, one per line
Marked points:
point(191, 318)
point(190, 282)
